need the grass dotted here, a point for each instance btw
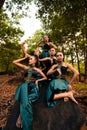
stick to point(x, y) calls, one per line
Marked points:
point(80, 85)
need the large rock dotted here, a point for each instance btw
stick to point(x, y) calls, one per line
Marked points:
point(64, 116)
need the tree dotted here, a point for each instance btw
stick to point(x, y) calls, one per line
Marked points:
point(32, 41)
point(9, 3)
point(9, 47)
point(63, 20)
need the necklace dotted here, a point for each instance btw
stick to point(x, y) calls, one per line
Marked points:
point(30, 73)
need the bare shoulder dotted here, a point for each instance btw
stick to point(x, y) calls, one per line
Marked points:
point(37, 69)
point(69, 65)
point(50, 43)
point(26, 67)
point(65, 64)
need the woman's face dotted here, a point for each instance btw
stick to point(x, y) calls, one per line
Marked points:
point(32, 60)
point(59, 56)
point(46, 38)
point(52, 51)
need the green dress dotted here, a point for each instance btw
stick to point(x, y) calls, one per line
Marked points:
point(45, 52)
point(26, 94)
point(56, 85)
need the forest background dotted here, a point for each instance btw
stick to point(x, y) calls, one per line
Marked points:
point(65, 21)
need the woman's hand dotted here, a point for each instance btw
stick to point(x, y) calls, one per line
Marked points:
point(23, 42)
point(27, 55)
point(36, 82)
point(69, 87)
point(59, 71)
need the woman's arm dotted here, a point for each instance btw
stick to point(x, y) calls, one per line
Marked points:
point(52, 45)
point(75, 72)
point(42, 74)
point(17, 62)
point(45, 59)
point(24, 50)
point(52, 69)
point(40, 43)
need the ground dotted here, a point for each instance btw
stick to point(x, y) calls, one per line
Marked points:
point(8, 85)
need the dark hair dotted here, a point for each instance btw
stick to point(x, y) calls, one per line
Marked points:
point(48, 37)
point(36, 58)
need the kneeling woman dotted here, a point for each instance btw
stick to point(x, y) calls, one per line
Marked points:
point(28, 92)
point(59, 86)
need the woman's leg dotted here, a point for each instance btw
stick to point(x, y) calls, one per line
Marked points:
point(19, 123)
point(69, 89)
point(65, 94)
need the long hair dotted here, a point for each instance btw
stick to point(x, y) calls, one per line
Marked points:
point(37, 60)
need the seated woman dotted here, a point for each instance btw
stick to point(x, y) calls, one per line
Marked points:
point(28, 92)
point(63, 116)
point(59, 83)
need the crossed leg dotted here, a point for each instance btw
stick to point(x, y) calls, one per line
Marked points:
point(19, 122)
point(68, 94)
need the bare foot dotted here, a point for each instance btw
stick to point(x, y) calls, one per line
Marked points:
point(19, 123)
point(66, 99)
point(70, 95)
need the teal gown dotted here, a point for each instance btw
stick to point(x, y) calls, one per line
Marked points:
point(56, 85)
point(45, 52)
point(26, 94)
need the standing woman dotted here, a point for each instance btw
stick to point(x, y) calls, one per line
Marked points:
point(28, 92)
point(46, 45)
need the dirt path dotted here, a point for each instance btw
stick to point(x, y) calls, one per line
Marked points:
point(7, 91)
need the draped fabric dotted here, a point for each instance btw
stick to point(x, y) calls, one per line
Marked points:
point(26, 94)
point(56, 85)
point(45, 52)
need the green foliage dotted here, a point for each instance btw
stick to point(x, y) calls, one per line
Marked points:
point(80, 86)
point(8, 53)
point(9, 47)
point(38, 35)
point(19, 7)
point(66, 21)
point(32, 41)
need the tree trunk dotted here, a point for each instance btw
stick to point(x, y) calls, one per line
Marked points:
point(71, 54)
point(84, 53)
point(78, 63)
point(86, 59)
point(1, 3)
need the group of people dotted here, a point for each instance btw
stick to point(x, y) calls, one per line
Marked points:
point(47, 68)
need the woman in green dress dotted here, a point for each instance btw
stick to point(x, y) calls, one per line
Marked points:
point(28, 92)
point(59, 86)
point(46, 46)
